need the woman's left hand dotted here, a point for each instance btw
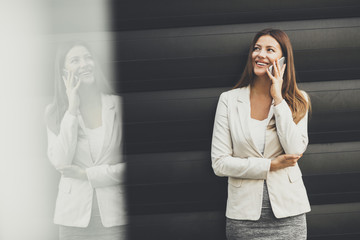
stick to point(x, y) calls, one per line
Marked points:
point(277, 81)
point(73, 171)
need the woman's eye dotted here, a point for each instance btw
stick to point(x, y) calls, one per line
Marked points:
point(271, 50)
point(256, 48)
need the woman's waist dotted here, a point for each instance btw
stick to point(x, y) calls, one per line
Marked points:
point(268, 154)
point(89, 162)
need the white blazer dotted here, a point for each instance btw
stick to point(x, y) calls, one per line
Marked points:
point(235, 155)
point(105, 174)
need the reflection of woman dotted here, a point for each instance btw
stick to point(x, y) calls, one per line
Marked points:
point(260, 132)
point(84, 145)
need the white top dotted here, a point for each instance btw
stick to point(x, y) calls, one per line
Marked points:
point(258, 130)
point(96, 140)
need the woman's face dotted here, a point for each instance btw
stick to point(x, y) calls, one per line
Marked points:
point(80, 62)
point(265, 52)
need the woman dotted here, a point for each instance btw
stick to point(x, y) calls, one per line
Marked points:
point(260, 132)
point(84, 145)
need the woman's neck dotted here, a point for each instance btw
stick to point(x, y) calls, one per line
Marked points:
point(90, 107)
point(89, 96)
point(261, 86)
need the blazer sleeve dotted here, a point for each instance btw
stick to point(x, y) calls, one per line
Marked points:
point(223, 162)
point(61, 147)
point(106, 175)
point(293, 137)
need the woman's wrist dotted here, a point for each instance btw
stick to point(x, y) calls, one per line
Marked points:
point(72, 110)
point(277, 100)
point(84, 175)
point(273, 166)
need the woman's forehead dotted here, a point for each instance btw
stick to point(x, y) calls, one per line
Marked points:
point(77, 51)
point(267, 41)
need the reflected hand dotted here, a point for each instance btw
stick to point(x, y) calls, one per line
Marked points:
point(73, 171)
point(72, 84)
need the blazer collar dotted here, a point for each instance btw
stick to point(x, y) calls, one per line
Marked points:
point(243, 110)
point(108, 117)
point(107, 101)
point(244, 94)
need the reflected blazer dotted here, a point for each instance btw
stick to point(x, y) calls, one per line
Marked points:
point(235, 155)
point(105, 174)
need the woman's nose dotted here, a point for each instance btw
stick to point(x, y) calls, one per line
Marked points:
point(262, 53)
point(83, 63)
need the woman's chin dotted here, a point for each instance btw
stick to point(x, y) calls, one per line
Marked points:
point(260, 72)
point(89, 80)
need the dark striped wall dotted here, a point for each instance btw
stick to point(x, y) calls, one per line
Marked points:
point(173, 67)
point(172, 61)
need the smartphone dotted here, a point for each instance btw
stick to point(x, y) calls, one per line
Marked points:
point(281, 63)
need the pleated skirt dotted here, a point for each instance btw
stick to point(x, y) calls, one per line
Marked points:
point(268, 227)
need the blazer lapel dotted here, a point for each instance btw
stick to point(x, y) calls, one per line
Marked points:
point(243, 109)
point(268, 135)
point(85, 131)
point(108, 117)
point(270, 143)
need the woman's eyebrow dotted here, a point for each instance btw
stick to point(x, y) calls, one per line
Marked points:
point(265, 46)
point(73, 57)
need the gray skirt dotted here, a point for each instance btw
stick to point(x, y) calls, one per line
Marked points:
point(268, 227)
point(95, 230)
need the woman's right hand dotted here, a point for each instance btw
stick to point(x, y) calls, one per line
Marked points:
point(72, 84)
point(284, 161)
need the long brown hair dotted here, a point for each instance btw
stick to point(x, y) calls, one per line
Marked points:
point(291, 93)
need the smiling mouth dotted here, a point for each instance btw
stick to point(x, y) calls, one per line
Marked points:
point(85, 74)
point(261, 64)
